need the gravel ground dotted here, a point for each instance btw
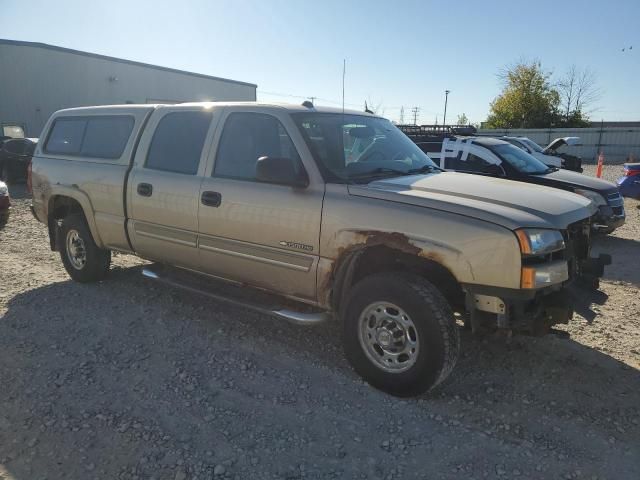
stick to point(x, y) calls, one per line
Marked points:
point(127, 379)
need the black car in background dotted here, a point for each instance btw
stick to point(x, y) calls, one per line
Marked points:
point(494, 157)
point(15, 155)
point(550, 154)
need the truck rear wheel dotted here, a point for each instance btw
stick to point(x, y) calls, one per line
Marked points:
point(83, 260)
point(400, 333)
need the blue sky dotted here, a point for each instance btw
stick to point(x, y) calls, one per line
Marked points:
point(398, 53)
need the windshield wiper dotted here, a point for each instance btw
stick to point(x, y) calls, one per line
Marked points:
point(543, 172)
point(377, 171)
point(425, 169)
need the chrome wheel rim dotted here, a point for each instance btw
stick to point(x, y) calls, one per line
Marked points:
point(388, 337)
point(76, 251)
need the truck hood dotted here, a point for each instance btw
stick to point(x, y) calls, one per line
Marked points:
point(567, 179)
point(507, 203)
point(559, 142)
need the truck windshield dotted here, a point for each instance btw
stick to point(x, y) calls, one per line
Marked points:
point(519, 159)
point(350, 148)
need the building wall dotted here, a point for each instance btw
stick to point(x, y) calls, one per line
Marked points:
point(35, 81)
point(616, 143)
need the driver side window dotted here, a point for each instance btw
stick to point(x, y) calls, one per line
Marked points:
point(247, 137)
point(356, 139)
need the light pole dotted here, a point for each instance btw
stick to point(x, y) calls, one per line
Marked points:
point(446, 97)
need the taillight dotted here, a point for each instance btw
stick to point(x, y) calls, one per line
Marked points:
point(29, 177)
point(631, 173)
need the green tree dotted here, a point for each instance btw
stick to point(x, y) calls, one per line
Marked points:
point(462, 119)
point(528, 100)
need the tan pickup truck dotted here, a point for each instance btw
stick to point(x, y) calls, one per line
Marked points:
point(313, 214)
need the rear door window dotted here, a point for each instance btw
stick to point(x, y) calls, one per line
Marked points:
point(178, 141)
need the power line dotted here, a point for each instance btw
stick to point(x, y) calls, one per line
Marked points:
point(415, 111)
point(357, 105)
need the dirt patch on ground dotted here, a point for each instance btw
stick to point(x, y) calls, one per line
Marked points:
point(127, 379)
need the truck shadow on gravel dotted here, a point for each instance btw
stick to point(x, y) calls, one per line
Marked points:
point(127, 375)
point(625, 254)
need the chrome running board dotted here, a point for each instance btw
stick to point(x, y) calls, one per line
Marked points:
point(194, 283)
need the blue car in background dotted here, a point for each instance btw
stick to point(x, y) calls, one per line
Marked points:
point(629, 184)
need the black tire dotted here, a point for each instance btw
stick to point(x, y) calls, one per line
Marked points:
point(437, 332)
point(96, 260)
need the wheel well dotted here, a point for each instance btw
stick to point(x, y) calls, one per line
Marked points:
point(60, 207)
point(381, 258)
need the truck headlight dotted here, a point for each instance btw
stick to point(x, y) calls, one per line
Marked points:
point(591, 195)
point(538, 241)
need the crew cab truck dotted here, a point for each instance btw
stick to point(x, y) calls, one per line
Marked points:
point(312, 214)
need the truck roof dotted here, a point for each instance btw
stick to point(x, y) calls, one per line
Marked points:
point(294, 108)
point(482, 141)
point(488, 141)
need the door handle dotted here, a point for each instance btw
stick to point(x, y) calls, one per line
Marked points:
point(145, 189)
point(211, 199)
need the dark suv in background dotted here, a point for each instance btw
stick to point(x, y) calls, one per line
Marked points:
point(498, 158)
point(15, 155)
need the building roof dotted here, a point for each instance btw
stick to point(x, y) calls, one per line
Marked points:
point(606, 123)
point(45, 46)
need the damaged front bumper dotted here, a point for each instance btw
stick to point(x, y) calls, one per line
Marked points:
point(531, 312)
point(609, 218)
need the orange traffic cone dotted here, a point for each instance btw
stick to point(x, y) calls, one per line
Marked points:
point(600, 163)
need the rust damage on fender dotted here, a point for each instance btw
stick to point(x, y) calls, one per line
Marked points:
point(356, 242)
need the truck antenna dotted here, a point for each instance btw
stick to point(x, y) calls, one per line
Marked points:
point(344, 72)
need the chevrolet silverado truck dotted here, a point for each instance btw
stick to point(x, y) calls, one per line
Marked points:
point(313, 214)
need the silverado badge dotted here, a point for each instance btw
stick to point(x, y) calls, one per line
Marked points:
point(299, 246)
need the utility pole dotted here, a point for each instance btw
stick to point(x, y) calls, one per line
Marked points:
point(446, 97)
point(415, 111)
point(401, 115)
point(313, 100)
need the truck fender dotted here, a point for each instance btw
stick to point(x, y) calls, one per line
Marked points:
point(83, 200)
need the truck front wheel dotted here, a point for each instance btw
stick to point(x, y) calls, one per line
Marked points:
point(400, 333)
point(83, 260)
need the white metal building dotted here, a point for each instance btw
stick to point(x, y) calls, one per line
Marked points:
point(37, 79)
point(617, 144)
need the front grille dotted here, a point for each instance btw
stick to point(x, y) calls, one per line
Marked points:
point(613, 196)
point(615, 200)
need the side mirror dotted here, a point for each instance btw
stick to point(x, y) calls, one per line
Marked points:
point(281, 171)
